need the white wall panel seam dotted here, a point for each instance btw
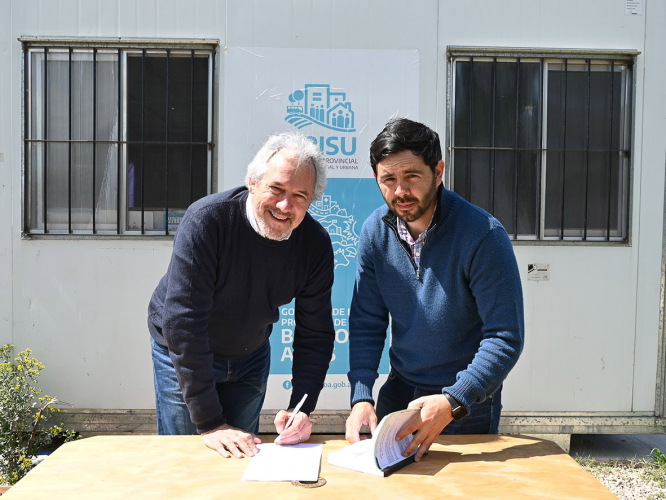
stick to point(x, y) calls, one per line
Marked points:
point(637, 233)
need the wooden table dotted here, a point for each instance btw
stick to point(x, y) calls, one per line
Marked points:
point(160, 467)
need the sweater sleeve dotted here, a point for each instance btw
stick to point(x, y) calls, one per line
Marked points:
point(368, 322)
point(495, 284)
point(314, 335)
point(187, 306)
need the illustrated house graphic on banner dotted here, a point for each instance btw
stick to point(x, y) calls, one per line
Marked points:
point(322, 107)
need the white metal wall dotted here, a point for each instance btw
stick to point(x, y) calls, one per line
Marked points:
point(7, 170)
point(591, 331)
point(651, 148)
point(81, 304)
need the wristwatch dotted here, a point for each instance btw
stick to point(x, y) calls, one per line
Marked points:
point(457, 410)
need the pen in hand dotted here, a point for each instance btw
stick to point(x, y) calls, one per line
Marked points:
point(293, 414)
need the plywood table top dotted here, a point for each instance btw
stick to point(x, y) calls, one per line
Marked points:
point(477, 466)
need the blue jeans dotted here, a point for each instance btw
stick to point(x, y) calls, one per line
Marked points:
point(396, 394)
point(240, 383)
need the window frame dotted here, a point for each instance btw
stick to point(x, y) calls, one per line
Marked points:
point(123, 46)
point(545, 57)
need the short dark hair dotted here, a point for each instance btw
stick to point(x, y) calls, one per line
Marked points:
point(402, 134)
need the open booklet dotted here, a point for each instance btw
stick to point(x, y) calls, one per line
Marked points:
point(382, 454)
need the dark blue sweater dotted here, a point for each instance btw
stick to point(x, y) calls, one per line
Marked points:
point(456, 323)
point(221, 296)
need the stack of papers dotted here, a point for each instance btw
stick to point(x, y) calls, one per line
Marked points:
point(298, 462)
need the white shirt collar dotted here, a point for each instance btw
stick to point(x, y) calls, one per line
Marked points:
point(249, 211)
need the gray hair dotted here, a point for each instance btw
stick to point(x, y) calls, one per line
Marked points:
point(304, 149)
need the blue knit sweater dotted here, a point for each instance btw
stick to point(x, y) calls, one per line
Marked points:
point(456, 322)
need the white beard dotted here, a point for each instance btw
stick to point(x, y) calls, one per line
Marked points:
point(266, 232)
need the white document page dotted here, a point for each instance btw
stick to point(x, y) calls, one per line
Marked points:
point(298, 462)
point(373, 455)
point(358, 456)
point(387, 450)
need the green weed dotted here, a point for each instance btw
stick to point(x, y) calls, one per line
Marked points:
point(24, 414)
point(659, 458)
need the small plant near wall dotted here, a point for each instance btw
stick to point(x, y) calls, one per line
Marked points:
point(24, 414)
point(658, 458)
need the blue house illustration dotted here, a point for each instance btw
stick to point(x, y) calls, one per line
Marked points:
point(320, 106)
point(324, 203)
point(341, 115)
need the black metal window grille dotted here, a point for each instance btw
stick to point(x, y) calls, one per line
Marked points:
point(118, 140)
point(543, 144)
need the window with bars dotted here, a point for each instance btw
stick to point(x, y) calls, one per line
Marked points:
point(543, 143)
point(118, 139)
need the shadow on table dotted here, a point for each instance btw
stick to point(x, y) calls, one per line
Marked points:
point(437, 460)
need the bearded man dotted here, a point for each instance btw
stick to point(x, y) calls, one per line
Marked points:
point(444, 272)
point(238, 256)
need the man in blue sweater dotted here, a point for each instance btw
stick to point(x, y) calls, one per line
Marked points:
point(237, 257)
point(445, 273)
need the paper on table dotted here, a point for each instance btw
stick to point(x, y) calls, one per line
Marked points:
point(358, 456)
point(298, 462)
point(380, 453)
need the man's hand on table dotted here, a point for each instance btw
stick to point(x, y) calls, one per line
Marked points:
point(435, 414)
point(228, 441)
point(298, 431)
point(362, 414)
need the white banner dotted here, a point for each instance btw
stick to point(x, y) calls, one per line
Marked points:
point(341, 99)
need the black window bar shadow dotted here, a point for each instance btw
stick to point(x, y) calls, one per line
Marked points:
point(143, 137)
point(46, 146)
point(564, 149)
point(516, 162)
point(94, 154)
point(610, 152)
point(537, 218)
point(166, 152)
point(69, 146)
point(469, 128)
point(191, 125)
point(120, 144)
point(587, 150)
point(492, 138)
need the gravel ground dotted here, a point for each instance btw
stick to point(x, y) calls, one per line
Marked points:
point(628, 479)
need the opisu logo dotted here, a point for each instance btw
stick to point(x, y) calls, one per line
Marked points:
point(317, 104)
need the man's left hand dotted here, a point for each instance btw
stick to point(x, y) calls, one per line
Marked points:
point(299, 430)
point(434, 416)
